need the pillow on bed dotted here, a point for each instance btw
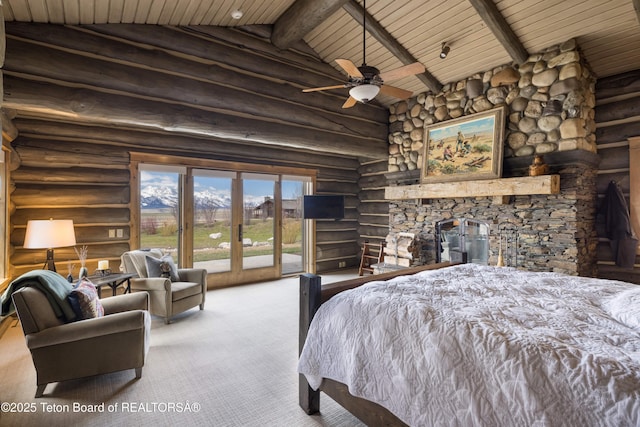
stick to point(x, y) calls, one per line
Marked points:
point(625, 307)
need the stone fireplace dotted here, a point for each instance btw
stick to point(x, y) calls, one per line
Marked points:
point(550, 103)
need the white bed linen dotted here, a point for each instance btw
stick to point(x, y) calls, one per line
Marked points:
point(484, 346)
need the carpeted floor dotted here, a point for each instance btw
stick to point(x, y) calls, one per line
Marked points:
point(233, 364)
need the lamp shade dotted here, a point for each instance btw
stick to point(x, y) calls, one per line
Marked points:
point(364, 93)
point(49, 233)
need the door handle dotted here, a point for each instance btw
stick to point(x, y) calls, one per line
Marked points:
point(240, 233)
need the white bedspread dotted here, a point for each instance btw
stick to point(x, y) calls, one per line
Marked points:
point(472, 345)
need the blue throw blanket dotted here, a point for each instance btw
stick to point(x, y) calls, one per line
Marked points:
point(51, 284)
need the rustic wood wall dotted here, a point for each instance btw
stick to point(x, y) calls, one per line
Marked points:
point(618, 119)
point(374, 208)
point(83, 98)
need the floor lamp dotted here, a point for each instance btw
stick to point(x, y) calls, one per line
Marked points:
point(49, 234)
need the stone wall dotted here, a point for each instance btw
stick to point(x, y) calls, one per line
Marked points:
point(554, 233)
point(550, 108)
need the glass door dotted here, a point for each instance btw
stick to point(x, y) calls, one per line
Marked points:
point(238, 225)
point(212, 222)
point(235, 224)
point(293, 230)
point(258, 233)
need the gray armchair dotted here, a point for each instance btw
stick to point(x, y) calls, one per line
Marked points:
point(167, 298)
point(62, 351)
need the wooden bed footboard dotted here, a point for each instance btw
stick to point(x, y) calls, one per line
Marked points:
point(312, 295)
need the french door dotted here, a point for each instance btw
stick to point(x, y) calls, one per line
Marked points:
point(242, 226)
point(237, 241)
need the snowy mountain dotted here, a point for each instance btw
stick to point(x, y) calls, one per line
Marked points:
point(159, 196)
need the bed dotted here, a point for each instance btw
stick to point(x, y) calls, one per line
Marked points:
point(473, 345)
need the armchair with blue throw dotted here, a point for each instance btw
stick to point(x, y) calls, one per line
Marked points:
point(71, 334)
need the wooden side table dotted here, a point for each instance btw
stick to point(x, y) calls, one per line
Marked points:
point(113, 281)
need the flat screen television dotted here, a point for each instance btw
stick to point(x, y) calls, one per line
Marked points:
point(323, 206)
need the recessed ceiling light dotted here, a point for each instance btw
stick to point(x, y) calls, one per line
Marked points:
point(237, 14)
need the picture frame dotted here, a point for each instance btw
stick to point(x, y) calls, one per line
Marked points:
point(466, 148)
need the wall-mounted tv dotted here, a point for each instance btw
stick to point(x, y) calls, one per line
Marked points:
point(321, 206)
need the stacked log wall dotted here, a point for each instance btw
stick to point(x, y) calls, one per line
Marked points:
point(373, 208)
point(88, 181)
point(618, 119)
point(84, 98)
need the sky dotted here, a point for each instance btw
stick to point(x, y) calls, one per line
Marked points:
point(468, 128)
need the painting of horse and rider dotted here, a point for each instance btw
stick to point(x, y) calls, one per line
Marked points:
point(466, 148)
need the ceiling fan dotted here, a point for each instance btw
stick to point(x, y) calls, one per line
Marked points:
point(365, 82)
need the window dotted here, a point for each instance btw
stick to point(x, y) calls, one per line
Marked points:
point(160, 211)
point(240, 222)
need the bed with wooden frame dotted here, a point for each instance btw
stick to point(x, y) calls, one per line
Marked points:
point(312, 295)
point(616, 380)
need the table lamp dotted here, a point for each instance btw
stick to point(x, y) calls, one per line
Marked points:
point(49, 234)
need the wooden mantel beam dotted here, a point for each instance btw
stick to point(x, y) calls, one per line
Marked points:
point(388, 41)
point(302, 17)
point(501, 29)
point(526, 185)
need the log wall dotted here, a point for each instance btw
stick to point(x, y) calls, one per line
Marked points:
point(374, 208)
point(83, 98)
point(618, 119)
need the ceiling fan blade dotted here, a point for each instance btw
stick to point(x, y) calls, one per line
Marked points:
point(395, 92)
point(350, 102)
point(316, 89)
point(349, 67)
point(407, 70)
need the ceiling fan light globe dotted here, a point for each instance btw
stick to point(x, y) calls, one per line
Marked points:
point(364, 93)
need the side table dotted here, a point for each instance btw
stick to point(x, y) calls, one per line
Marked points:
point(113, 281)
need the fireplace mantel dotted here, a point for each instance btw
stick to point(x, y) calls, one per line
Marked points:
point(499, 189)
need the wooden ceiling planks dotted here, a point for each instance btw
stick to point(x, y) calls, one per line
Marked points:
point(419, 26)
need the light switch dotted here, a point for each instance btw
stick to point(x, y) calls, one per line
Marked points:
point(120, 232)
point(112, 233)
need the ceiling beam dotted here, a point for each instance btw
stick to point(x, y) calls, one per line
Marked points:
point(636, 6)
point(501, 29)
point(388, 41)
point(302, 17)
point(9, 131)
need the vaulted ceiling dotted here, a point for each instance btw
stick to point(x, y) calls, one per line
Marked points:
point(481, 34)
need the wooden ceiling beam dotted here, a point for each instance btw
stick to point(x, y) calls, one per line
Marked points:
point(302, 17)
point(9, 131)
point(636, 7)
point(501, 29)
point(390, 43)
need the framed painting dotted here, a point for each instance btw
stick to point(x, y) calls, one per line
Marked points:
point(464, 149)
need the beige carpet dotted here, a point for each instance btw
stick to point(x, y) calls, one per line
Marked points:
point(233, 364)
